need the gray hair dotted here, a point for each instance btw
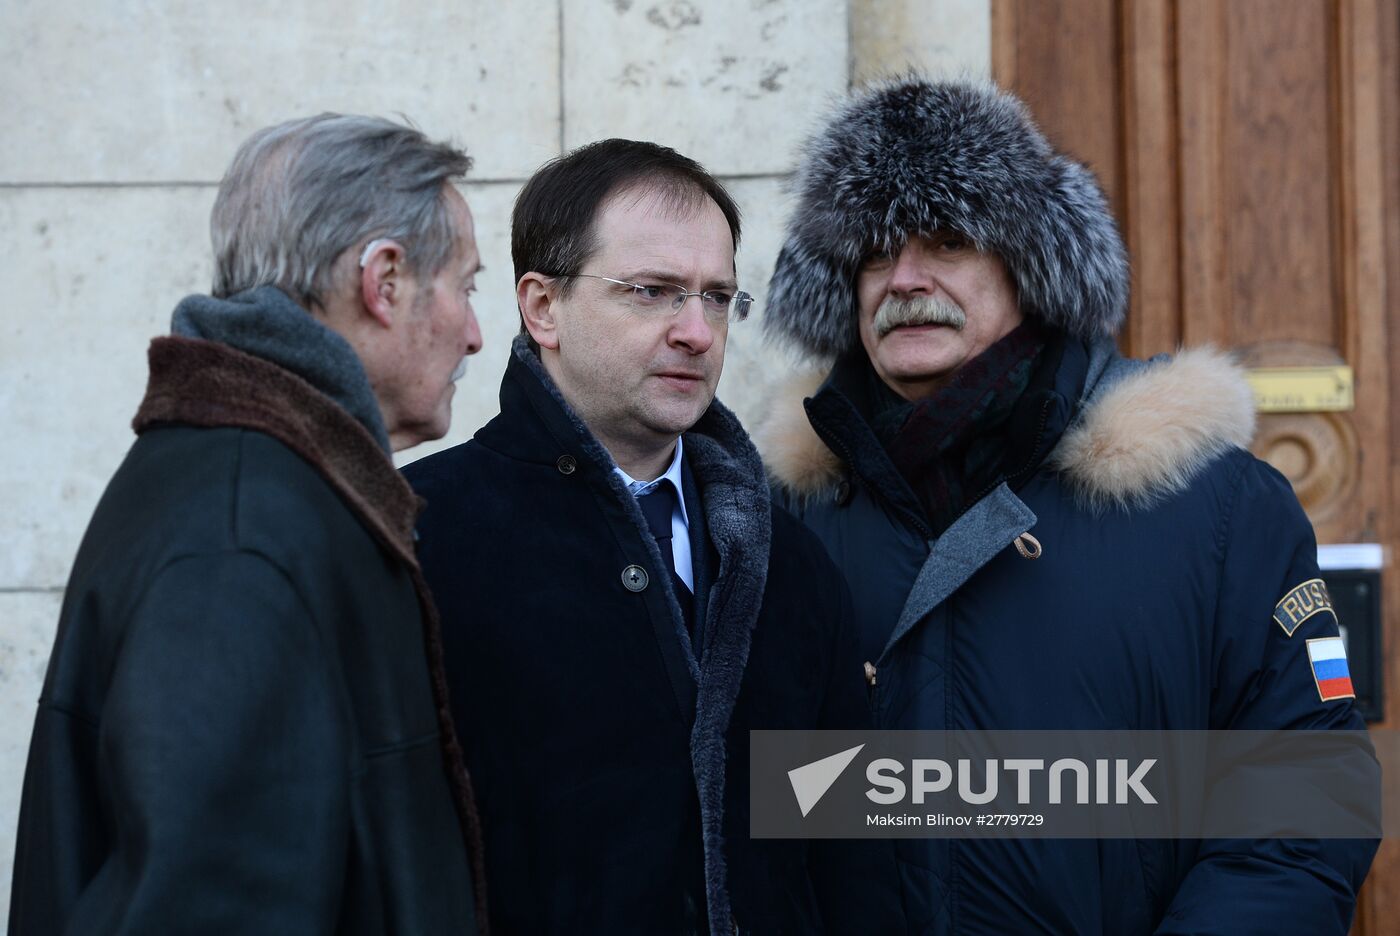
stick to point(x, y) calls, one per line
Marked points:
point(301, 193)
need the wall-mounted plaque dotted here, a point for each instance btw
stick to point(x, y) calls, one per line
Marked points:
point(1302, 389)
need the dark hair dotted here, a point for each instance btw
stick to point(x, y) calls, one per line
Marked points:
point(552, 229)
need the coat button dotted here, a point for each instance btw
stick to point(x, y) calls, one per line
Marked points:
point(843, 493)
point(634, 578)
point(566, 464)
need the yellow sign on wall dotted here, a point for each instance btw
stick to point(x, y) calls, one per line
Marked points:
point(1302, 389)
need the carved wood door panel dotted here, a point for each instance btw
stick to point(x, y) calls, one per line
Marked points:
point(1251, 152)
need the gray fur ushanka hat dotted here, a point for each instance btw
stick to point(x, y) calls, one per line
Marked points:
point(912, 155)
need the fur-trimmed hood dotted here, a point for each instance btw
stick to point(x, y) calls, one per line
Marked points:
point(1142, 430)
point(912, 155)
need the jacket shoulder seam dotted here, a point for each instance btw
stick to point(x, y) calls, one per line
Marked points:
point(261, 556)
point(50, 704)
point(237, 499)
point(1228, 517)
point(95, 722)
point(1225, 528)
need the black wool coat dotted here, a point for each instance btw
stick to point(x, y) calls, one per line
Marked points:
point(238, 731)
point(608, 761)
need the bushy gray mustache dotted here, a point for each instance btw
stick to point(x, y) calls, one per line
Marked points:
point(917, 310)
point(460, 371)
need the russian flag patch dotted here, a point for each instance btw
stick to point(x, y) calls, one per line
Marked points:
point(1328, 656)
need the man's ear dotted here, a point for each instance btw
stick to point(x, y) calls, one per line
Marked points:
point(536, 294)
point(383, 279)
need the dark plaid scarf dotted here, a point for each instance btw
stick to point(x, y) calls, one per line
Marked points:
point(949, 447)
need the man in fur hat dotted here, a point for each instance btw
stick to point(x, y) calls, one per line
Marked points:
point(243, 728)
point(1038, 533)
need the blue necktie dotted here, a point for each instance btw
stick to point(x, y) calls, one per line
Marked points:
point(658, 505)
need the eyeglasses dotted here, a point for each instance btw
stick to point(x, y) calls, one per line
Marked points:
point(668, 298)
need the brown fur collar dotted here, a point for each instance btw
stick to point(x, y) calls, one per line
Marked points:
point(1139, 438)
point(205, 383)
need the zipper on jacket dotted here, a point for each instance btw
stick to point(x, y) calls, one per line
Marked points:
point(845, 452)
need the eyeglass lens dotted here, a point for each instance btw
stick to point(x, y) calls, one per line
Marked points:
point(669, 297)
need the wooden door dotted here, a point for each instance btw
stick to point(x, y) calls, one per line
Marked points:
point(1251, 152)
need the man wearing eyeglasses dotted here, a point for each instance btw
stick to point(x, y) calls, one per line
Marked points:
point(621, 602)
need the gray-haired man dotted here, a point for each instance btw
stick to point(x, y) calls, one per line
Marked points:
point(244, 725)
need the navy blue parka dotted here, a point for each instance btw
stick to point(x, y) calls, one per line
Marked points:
point(1164, 547)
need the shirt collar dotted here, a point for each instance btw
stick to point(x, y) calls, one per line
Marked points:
point(672, 474)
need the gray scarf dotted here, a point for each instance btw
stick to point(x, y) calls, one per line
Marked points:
point(266, 323)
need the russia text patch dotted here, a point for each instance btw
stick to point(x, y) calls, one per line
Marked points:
point(1328, 656)
point(1302, 603)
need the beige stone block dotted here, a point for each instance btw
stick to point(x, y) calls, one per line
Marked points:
point(104, 268)
point(25, 642)
point(91, 276)
point(734, 84)
point(154, 92)
point(951, 38)
point(752, 365)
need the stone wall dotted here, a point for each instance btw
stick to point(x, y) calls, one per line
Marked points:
point(119, 119)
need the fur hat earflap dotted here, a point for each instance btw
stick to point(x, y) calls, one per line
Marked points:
point(911, 155)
